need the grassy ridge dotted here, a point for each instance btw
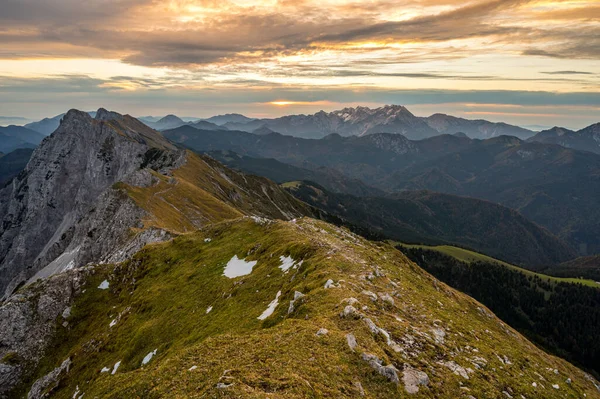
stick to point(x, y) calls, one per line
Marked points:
point(160, 300)
point(202, 191)
point(468, 256)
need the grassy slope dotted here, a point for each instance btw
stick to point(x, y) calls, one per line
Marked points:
point(585, 267)
point(471, 257)
point(202, 191)
point(162, 295)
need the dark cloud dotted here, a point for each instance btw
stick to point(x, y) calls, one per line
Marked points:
point(136, 32)
point(568, 73)
point(57, 84)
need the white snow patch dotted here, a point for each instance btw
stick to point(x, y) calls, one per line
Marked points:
point(207, 240)
point(116, 367)
point(238, 267)
point(555, 386)
point(271, 308)
point(105, 370)
point(104, 285)
point(148, 357)
point(288, 263)
point(113, 322)
point(76, 394)
point(192, 368)
point(208, 309)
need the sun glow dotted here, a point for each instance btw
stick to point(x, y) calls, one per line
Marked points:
point(284, 103)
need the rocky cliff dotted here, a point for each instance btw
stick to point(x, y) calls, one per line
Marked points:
point(67, 181)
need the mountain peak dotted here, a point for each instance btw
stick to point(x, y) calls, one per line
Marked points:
point(75, 114)
point(591, 129)
point(170, 117)
point(104, 115)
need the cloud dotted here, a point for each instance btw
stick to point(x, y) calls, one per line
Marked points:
point(188, 34)
point(242, 52)
point(568, 73)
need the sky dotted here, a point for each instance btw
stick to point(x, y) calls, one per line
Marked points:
point(518, 61)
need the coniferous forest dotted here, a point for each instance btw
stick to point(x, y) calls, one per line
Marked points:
point(563, 318)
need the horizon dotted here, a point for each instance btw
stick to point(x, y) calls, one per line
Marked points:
point(22, 121)
point(523, 62)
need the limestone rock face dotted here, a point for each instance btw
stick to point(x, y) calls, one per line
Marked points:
point(61, 211)
point(28, 322)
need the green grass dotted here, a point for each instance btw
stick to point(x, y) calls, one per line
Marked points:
point(162, 295)
point(291, 184)
point(468, 256)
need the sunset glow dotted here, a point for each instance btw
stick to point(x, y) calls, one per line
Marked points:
point(202, 56)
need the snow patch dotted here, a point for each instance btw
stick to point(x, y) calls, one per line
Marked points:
point(104, 285)
point(271, 308)
point(288, 263)
point(148, 357)
point(208, 309)
point(238, 267)
point(115, 367)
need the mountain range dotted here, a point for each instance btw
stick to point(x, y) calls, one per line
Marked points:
point(358, 121)
point(432, 218)
point(361, 121)
point(587, 139)
point(551, 185)
point(133, 268)
point(14, 137)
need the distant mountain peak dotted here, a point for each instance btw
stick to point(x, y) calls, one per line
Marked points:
point(170, 118)
point(263, 130)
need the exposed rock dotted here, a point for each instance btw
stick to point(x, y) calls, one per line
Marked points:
point(389, 371)
point(329, 284)
point(350, 312)
point(412, 378)
point(370, 294)
point(297, 296)
point(222, 385)
point(387, 299)
point(350, 301)
point(49, 381)
point(66, 313)
point(28, 322)
point(372, 327)
point(351, 339)
point(322, 331)
point(438, 335)
point(60, 212)
point(456, 369)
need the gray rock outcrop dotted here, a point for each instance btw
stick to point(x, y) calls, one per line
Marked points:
point(61, 211)
point(28, 322)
